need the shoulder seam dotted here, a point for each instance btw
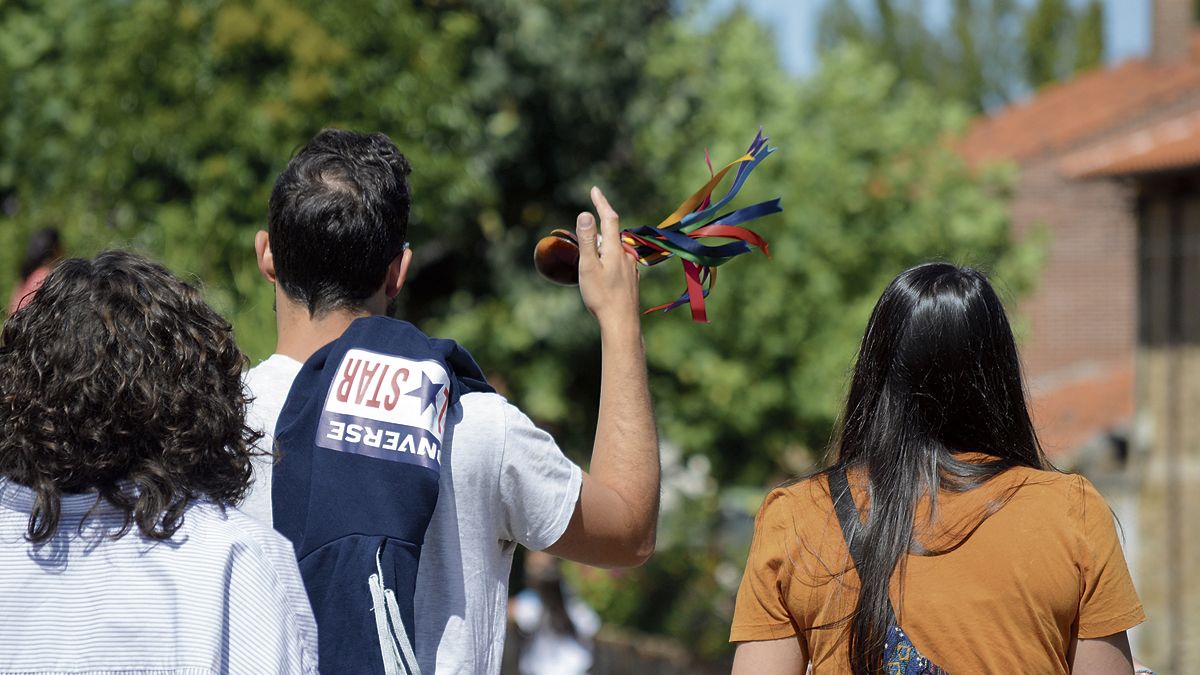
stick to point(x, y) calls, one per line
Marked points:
point(248, 540)
point(289, 615)
point(504, 413)
point(1085, 553)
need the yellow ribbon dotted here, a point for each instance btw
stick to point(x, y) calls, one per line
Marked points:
point(689, 205)
point(692, 202)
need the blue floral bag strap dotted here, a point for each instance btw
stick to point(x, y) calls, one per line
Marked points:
point(900, 656)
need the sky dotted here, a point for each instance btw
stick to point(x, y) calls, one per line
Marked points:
point(1127, 26)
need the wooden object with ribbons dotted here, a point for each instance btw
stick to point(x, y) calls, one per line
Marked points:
point(680, 235)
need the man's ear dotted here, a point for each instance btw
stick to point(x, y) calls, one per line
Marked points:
point(262, 250)
point(397, 272)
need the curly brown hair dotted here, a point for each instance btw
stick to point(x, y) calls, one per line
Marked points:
point(118, 379)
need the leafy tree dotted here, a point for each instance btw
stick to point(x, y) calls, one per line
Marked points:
point(896, 28)
point(161, 125)
point(980, 57)
point(990, 51)
point(1045, 27)
point(1089, 50)
point(869, 187)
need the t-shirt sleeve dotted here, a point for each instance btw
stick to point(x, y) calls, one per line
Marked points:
point(1108, 603)
point(539, 486)
point(761, 611)
point(271, 625)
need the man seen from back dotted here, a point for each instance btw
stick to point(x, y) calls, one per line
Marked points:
point(336, 250)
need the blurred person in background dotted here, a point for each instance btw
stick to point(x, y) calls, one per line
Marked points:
point(123, 447)
point(43, 249)
point(336, 251)
point(557, 627)
point(968, 552)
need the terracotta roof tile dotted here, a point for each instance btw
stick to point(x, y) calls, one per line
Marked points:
point(1073, 413)
point(1063, 114)
point(1172, 144)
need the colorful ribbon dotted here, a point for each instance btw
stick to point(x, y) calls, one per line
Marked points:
point(679, 235)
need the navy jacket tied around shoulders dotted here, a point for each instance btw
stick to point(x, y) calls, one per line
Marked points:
point(359, 445)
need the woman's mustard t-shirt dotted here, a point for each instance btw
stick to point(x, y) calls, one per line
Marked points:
point(1007, 594)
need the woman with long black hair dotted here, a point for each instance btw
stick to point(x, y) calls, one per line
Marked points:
point(968, 552)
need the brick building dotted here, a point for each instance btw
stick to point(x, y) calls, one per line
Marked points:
point(1109, 164)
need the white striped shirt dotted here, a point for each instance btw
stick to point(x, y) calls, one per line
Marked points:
point(223, 595)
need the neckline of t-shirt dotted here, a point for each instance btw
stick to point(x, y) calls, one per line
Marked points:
point(282, 360)
point(20, 498)
point(975, 456)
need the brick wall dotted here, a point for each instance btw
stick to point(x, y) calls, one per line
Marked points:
point(1081, 317)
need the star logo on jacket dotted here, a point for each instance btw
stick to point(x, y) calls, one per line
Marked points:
point(387, 407)
point(427, 392)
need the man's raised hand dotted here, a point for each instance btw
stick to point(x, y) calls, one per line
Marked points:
point(615, 519)
point(608, 276)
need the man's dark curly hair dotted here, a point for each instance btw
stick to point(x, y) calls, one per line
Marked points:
point(337, 218)
point(118, 379)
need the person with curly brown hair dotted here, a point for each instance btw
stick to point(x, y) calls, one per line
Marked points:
point(123, 443)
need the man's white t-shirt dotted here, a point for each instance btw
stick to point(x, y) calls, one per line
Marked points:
point(503, 482)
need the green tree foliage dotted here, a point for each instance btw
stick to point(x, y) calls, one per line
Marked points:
point(896, 29)
point(1045, 27)
point(869, 187)
point(160, 125)
point(990, 50)
point(1089, 50)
